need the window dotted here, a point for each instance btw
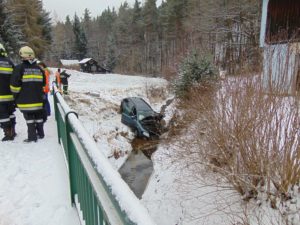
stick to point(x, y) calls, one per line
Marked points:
point(283, 23)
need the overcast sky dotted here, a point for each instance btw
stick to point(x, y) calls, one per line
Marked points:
point(61, 8)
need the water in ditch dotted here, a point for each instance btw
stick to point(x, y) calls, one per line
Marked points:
point(138, 168)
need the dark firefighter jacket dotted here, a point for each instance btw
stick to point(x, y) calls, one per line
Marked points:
point(6, 70)
point(64, 77)
point(27, 84)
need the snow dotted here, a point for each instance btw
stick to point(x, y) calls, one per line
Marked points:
point(69, 62)
point(119, 188)
point(84, 60)
point(96, 98)
point(34, 188)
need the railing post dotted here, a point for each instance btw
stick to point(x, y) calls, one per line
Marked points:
point(70, 156)
point(56, 113)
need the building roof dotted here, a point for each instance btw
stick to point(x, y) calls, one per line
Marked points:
point(84, 60)
point(69, 62)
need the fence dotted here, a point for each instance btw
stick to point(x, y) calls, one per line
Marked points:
point(97, 189)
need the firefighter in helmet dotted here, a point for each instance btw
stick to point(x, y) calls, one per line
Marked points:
point(7, 106)
point(27, 83)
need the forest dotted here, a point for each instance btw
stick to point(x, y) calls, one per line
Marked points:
point(144, 38)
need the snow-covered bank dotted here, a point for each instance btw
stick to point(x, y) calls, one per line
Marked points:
point(97, 98)
point(34, 188)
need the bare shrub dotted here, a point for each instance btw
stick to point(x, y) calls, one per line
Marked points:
point(248, 138)
point(155, 93)
point(253, 137)
point(169, 73)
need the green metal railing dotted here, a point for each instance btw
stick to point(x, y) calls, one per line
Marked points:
point(97, 190)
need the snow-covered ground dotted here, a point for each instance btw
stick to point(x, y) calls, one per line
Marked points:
point(34, 188)
point(97, 98)
point(169, 199)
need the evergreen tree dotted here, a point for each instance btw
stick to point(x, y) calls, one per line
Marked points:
point(63, 41)
point(103, 28)
point(10, 34)
point(123, 36)
point(69, 39)
point(80, 48)
point(91, 36)
point(151, 40)
point(137, 38)
point(45, 21)
point(111, 59)
point(137, 22)
point(34, 23)
point(193, 69)
point(150, 15)
point(151, 36)
point(177, 13)
point(87, 21)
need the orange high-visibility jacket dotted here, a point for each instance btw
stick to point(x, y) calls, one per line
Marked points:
point(57, 78)
point(47, 76)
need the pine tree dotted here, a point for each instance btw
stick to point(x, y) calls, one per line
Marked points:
point(10, 34)
point(103, 28)
point(87, 21)
point(45, 21)
point(137, 23)
point(80, 48)
point(151, 36)
point(89, 29)
point(34, 23)
point(122, 33)
point(111, 59)
point(137, 38)
point(69, 39)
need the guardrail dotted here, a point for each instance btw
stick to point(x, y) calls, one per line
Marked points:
point(97, 189)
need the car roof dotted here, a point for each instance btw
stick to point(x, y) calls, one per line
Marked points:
point(140, 104)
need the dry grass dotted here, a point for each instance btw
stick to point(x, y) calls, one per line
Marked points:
point(252, 137)
point(245, 136)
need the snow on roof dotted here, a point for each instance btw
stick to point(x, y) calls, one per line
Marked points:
point(85, 60)
point(69, 62)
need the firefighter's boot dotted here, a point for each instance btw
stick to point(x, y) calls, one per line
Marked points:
point(32, 137)
point(8, 134)
point(40, 130)
point(13, 130)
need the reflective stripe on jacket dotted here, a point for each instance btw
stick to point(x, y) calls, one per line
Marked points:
point(30, 107)
point(6, 70)
point(27, 85)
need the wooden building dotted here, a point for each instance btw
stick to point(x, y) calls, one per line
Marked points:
point(280, 38)
point(90, 65)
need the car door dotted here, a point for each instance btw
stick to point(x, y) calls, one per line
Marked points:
point(127, 113)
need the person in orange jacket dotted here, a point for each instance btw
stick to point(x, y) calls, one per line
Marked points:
point(57, 79)
point(46, 89)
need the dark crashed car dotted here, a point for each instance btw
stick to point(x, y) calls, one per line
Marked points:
point(138, 114)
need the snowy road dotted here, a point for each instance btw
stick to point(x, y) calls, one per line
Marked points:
point(34, 180)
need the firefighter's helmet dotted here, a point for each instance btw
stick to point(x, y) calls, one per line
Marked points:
point(26, 53)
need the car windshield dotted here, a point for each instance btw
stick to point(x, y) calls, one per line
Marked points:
point(143, 114)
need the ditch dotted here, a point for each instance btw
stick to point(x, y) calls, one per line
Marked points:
point(138, 168)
